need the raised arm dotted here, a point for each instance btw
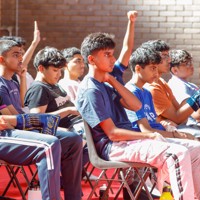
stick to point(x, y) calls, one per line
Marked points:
point(128, 42)
point(29, 53)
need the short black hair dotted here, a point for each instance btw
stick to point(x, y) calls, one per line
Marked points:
point(143, 57)
point(7, 45)
point(49, 56)
point(156, 45)
point(95, 42)
point(179, 56)
point(19, 40)
point(69, 53)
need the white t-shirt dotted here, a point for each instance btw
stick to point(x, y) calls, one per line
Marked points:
point(182, 89)
point(29, 80)
point(71, 87)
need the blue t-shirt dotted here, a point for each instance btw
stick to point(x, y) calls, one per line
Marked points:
point(147, 111)
point(9, 91)
point(97, 102)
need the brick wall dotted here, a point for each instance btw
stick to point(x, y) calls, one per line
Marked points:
point(64, 23)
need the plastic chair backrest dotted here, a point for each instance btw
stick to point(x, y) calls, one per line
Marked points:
point(94, 157)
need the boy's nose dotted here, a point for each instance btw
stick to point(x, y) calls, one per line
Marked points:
point(20, 58)
point(113, 59)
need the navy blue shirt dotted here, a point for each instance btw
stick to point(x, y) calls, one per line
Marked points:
point(9, 91)
point(118, 71)
point(97, 102)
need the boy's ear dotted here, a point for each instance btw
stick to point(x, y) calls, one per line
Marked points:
point(174, 70)
point(41, 68)
point(91, 59)
point(137, 68)
point(1, 59)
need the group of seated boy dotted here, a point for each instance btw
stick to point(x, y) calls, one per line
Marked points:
point(146, 120)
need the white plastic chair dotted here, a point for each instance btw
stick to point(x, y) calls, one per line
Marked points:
point(118, 174)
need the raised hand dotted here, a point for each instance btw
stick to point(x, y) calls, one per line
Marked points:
point(132, 15)
point(36, 37)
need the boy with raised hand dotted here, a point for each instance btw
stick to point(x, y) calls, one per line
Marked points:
point(102, 106)
point(22, 76)
point(24, 79)
point(181, 68)
point(74, 68)
point(127, 47)
point(71, 144)
point(170, 113)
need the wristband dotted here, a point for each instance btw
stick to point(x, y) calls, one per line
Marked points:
point(193, 104)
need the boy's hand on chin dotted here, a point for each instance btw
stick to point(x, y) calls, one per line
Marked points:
point(108, 78)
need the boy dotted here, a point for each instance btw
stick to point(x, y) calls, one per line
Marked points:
point(181, 68)
point(25, 83)
point(102, 106)
point(73, 70)
point(71, 154)
point(75, 64)
point(27, 55)
point(46, 96)
point(11, 63)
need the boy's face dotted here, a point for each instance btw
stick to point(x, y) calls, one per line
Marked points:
point(12, 60)
point(51, 75)
point(164, 65)
point(76, 66)
point(104, 60)
point(184, 70)
point(148, 74)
